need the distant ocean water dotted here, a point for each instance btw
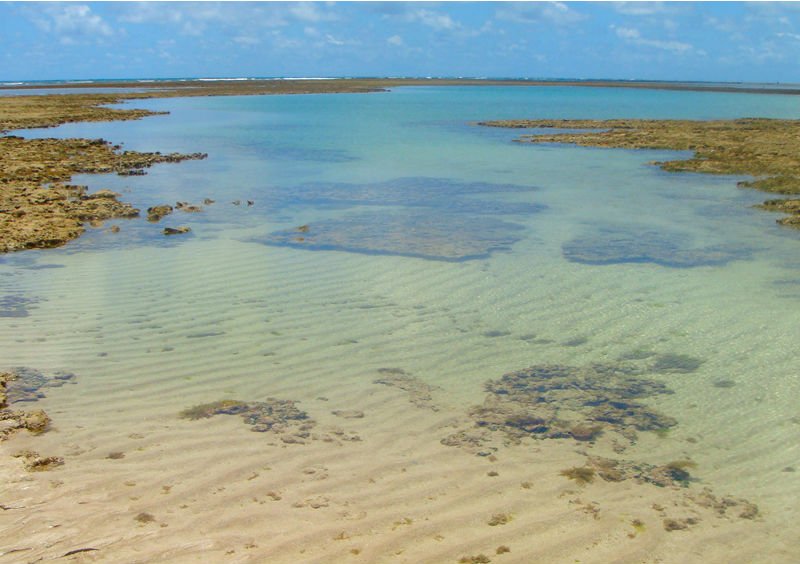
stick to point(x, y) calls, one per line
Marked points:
point(389, 231)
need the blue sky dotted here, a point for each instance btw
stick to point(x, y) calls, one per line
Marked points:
point(715, 41)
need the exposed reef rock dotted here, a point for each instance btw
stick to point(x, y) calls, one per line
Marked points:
point(176, 230)
point(34, 462)
point(155, 213)
point(764, 148)
point(37, 208)
point(616, 245)
point(791, 207)
point(12, 421)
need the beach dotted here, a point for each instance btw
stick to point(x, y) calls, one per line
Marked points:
point(512, 345)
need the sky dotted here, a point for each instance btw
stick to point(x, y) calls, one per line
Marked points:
point(709, 41)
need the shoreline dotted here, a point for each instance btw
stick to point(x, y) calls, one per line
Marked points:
point(343, 85)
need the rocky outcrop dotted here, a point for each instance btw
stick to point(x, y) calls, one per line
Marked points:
point(38, 209)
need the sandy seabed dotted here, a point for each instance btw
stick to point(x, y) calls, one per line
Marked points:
point(369, 480)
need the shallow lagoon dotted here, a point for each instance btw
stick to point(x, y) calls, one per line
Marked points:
point(485, 283)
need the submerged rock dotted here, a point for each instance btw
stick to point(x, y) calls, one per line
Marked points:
point(12, 421)
point(176, 230)
point(272, 415)
point(554, 401)
point(432, 235)
point(28, 384)
point(155, 213)
point(419, 392)
point(616, 245)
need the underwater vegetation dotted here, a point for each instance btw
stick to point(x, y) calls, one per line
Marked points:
point(276, 416)
point(617, 245)
point(281, 417)
point(27, 384)
point(676, 363)
point(15, 306)
point(432, 218)
point(552, 401)
point(422, 234)
point(419, 392)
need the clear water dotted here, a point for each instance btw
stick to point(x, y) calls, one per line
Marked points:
point(153, 325)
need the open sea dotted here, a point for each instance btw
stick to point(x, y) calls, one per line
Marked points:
point(390, 235)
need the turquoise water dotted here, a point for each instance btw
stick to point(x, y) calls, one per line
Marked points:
point(432, 245)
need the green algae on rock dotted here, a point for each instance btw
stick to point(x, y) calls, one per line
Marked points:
point(767, 149)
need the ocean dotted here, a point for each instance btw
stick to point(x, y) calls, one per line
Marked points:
point(387, 238)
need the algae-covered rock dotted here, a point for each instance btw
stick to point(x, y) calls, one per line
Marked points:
point(176, 230)
point(155, 213)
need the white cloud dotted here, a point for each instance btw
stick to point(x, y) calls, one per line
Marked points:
point(333, 41)
point(556, 13)
point(627, 32)
point(639, 8)
point(435, 20)
point(72, 23)
point(309, 12)
point(246, 40)
point(395, 40)
point(634, 36)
